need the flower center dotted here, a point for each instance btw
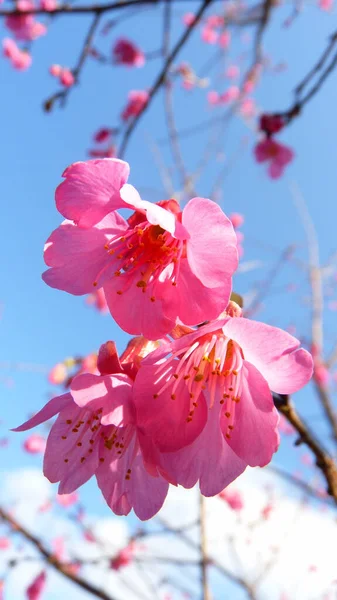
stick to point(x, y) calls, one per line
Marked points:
point(212, 364)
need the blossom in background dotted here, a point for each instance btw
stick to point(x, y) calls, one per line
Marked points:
point(36, 588)
point(58, 374)
point(20, 59)
point(65, 75)
point(159, 265)
point(218, 379)
point(97, 298)
point(233, 498)
point(5, 543)
point(278, 156)
point(126, 52)
point(232, 72)
point(67, 499)
point(137, 100)
point(24, 27)
point(35, 444)
point(123, 558)
point(96, 433)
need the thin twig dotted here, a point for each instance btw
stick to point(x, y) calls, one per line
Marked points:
point(51, 559)
point(203, 550)
point(163, 74)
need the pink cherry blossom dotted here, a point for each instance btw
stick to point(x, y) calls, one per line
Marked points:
point(278, 156)
point(58, 374)
point(224, 39)
point(233, 498)
point(48, 5)
point(230, 95)
point(96, 433)
point(271, 123)
point(20, 59)
point(232, 72)
point(36, 588)
point(237, 219)
point(97, 298)
point(147, 265)
point(209, 35)
point(65, 75)
point(188, 19)
point(326, 4)
point(217, 380)
point(213, 97)
point(24, 27)
point(5, 543)
point(67, 500)
point(123, 558)
point(126, 52)
point(248, 108)
point(102, 135)
point(35, 444)
point(137, 100)
point(109, 152)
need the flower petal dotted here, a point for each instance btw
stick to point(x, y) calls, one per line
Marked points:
point(164, 418)
point(255, 437)
point(91, 190)
point(212, 248)
point(50, 409)
point(274, 353)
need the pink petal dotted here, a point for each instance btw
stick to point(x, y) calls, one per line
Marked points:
point(273, 352)
point(191, 301)
point(255, 437)
point(47, 412)
point(164, 418)
point(112, 393)
point(212, 248)
point(91, 190)
point(78, 257)
point(275, 169)
point(208, 459)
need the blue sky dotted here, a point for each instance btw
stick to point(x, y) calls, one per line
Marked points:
point(42, 326)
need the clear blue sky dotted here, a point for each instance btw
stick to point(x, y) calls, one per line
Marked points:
point(42, 326)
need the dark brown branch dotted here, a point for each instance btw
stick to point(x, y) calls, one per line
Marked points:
point(82, 9)
point(62, 568)
point(163, 74)
point(323, 460)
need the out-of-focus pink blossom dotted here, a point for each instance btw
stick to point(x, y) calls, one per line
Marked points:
point(233, 498)
point(137, 100)
point(109, 152)
point(35, 590)
point(326, 4)
point(285, 427)
point(230, 95)
point(97, 298)
point(55, 70)
point(89, 536)
point(213, 97)
point(237, 219)
point(209, 35)
point(65, 75)
point(277, 155)
point(267, 510)
point(24, 27)
point(248, 86)
point(224, 39)
point(20, 59)
point(102, 135)
point(58, 548)
point(232, 72)
point(5, 543)
point(67, 500)
point(35, 444)
point(188, 19)
point(248, 108)
point(321, 373)
point(48, 5)
point(271, 123)
point(127, 53)
point(123, 558)
point(58, 374)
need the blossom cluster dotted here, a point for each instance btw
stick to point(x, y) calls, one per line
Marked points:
point(189, 400)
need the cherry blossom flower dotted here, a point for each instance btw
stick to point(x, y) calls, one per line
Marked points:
point(20, 59)
point(35, 444)
point(137, 99)
point(278, 156)
point(5, 543)
point(24, 27)
point(58, 374)
point(233, 498)
point(209, 35)
point(232, 72)
point(237, 219)
point(188, 19)
point(271, 123)
point(67, 500)
point(65, 75)
point(326, 4)
point(96, 433)
point(35, 590)
point(123, 558)
point(148, 265)
point(248, 108)
point(127, 53)
point(102, 135)
point(97, 298)
point(218, 379)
